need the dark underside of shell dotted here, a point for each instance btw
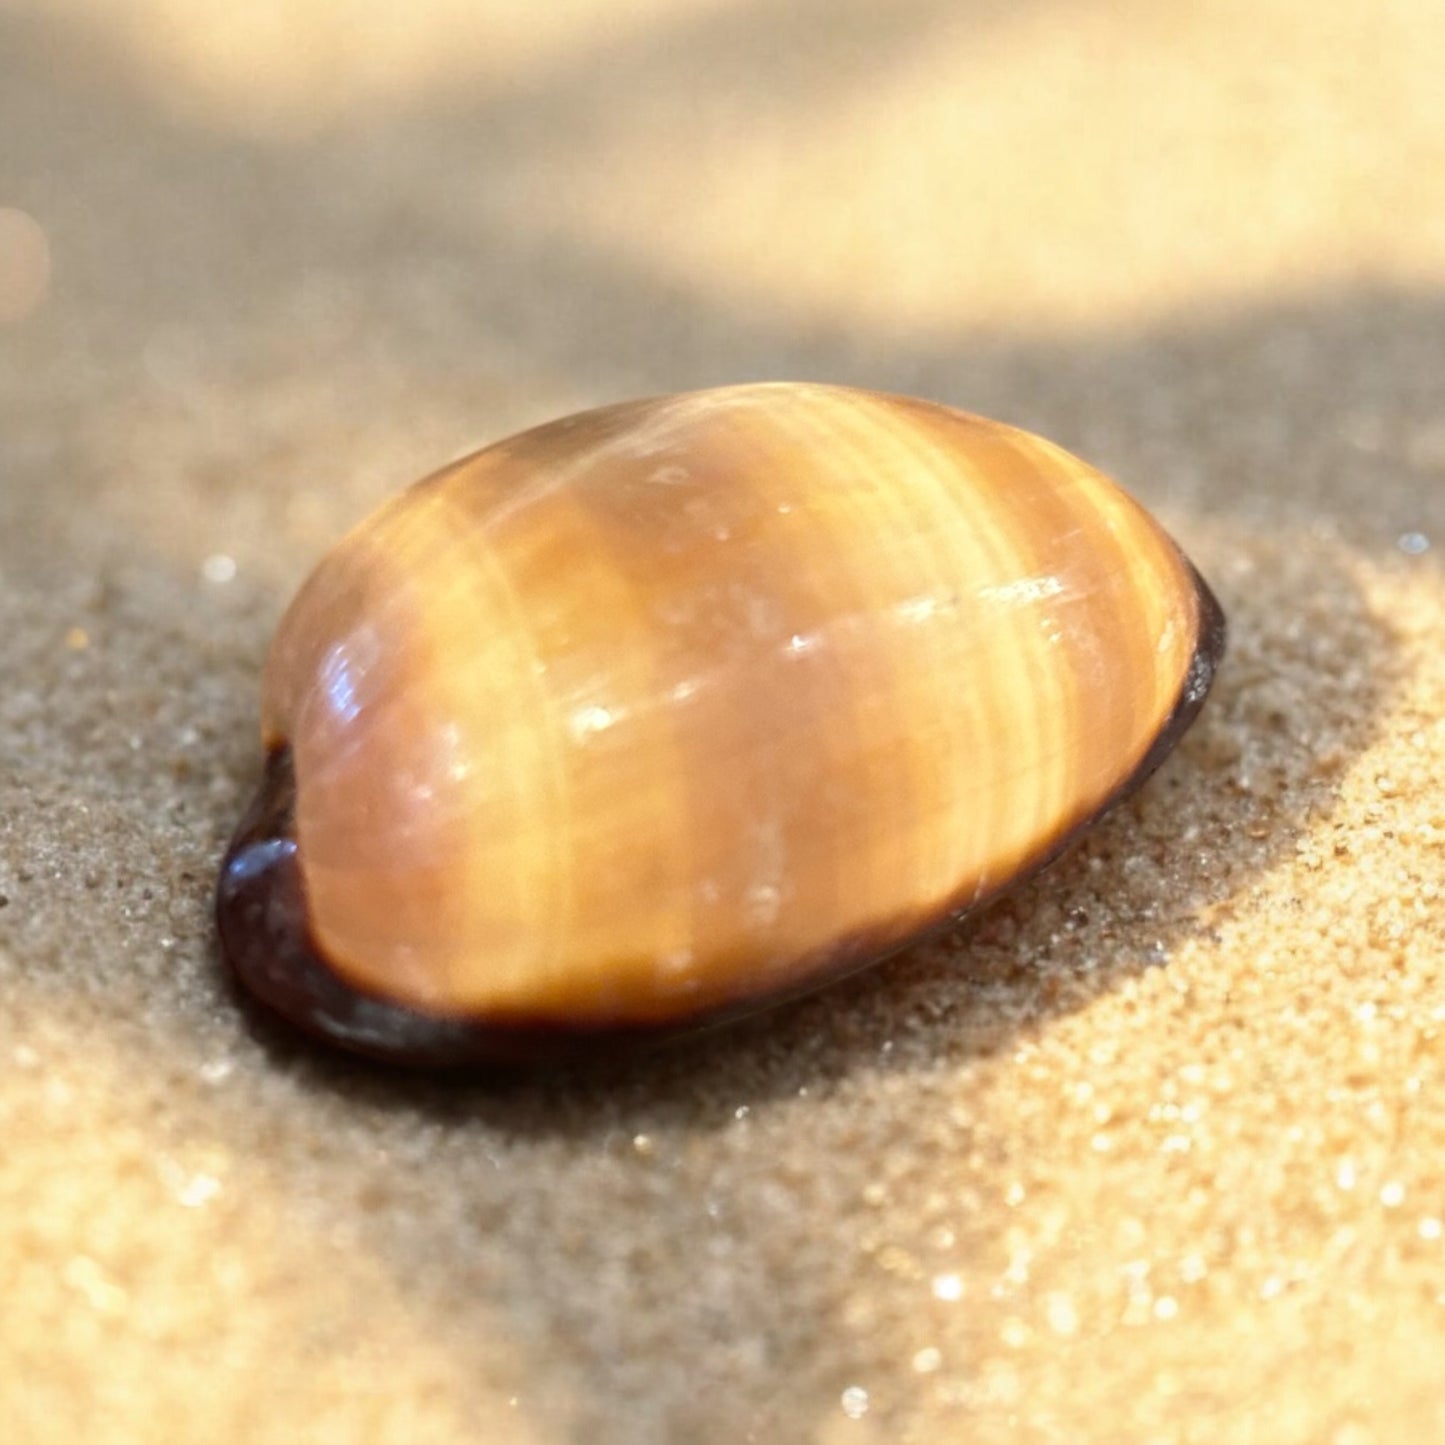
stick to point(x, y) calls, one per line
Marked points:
point(265, 934)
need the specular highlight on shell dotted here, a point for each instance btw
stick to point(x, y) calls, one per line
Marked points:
point(659, 713)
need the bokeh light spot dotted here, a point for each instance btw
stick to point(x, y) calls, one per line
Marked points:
point(24, 264)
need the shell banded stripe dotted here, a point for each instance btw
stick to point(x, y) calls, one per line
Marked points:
point(1121, 587)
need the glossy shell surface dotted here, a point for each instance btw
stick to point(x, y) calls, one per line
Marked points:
point(658, 713)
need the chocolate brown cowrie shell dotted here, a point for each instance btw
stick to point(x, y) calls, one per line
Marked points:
point(661, 713)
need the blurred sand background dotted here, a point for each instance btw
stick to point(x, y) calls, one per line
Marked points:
point(1154, 1151)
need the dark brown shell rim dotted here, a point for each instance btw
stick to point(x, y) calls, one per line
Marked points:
point(261, 914)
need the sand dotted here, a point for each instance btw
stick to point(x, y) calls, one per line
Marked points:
point(1152, 1151)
